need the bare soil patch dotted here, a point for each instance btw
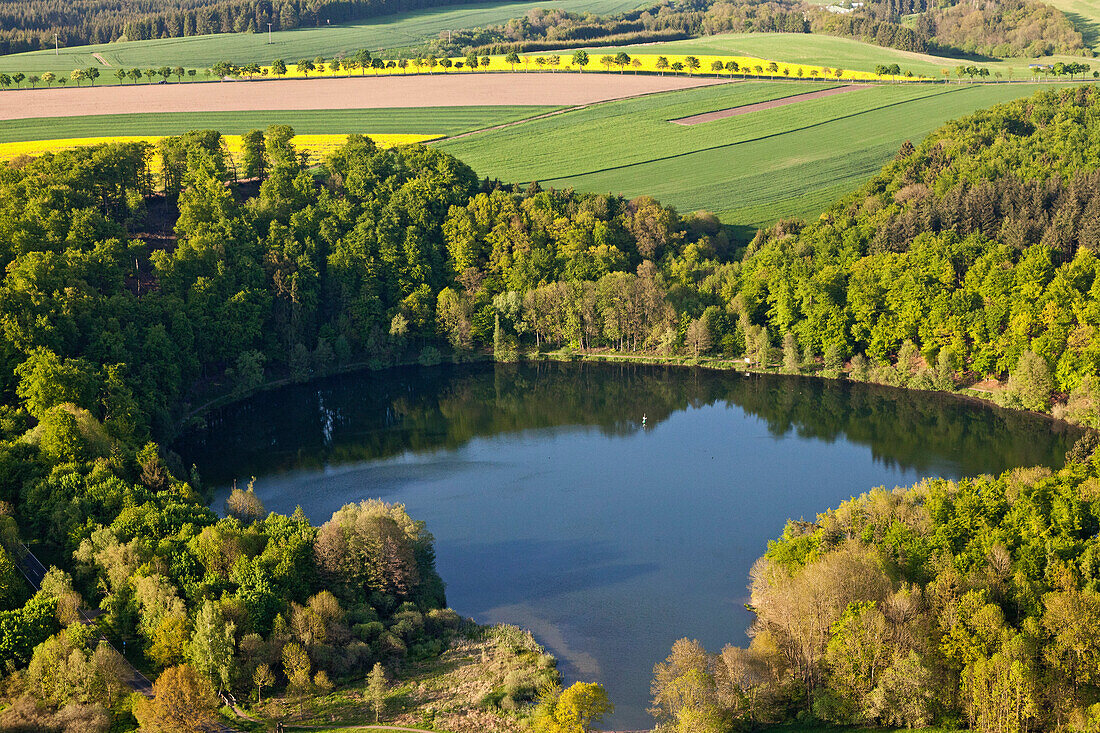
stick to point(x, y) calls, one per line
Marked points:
point(988, 385)
point(440, 90)
point(760, 106)
point(100, 59)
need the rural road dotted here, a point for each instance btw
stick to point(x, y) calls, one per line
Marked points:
point(376, 92)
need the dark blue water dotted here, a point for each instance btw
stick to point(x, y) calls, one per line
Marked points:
point(555, 509)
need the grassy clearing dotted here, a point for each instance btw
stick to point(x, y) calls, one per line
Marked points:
point(391, 32)
point(466, 690)
point(844, 53)
point(750, 170)
point(1085, 15)
point(423, 120)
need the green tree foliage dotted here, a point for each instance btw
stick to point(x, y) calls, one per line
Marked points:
point(1030, 383)
point(931, 258)
point(22, 629)
point(377, 688)
point(212, 645)
point(182, 700)
point(870, 613)
point(573, 710)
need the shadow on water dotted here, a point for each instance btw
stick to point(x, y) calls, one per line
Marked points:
point(373, 415)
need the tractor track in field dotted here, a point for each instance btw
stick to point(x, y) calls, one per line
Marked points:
point(673, 156)
point(770, 104)
point(554, 113)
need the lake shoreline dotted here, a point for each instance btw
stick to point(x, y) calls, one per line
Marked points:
point(720, 364)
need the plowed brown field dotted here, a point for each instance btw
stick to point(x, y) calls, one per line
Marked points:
point(440, 90)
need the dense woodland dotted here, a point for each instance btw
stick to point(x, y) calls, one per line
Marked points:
point(1000, 29)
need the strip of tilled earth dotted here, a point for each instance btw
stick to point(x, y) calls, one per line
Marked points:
point(439, 90)
point(760, 106)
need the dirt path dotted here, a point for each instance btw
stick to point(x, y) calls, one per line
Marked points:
point(440, 90)
point(760, 106)
point(100, 59)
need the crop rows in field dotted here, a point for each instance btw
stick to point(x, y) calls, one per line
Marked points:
point(751, 170)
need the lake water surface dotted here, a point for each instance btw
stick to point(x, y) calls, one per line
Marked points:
point(554, 508)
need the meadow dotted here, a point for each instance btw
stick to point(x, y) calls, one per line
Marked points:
point(1085, 15)
point(391, 32)
point(430, 121)
point(844, 53)
point(750, 170)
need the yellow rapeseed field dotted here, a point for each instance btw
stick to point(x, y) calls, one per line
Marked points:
point(315, 146)
point(748, 66)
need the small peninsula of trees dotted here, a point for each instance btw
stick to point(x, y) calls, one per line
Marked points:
point(973, 602)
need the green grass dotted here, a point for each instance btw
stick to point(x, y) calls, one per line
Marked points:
point(390, 32)
point(422, 120)
point(844, 53)
point(750, 170)
point(1085, 16)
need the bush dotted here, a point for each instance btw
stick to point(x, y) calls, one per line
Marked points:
point(429, 356)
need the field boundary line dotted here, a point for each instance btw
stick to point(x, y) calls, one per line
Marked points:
point(577, 108)
point(742, 142)
point(513, 123)
point(745, 109)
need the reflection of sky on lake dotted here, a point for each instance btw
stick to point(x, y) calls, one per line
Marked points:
point(608, 545)
point(609, 549)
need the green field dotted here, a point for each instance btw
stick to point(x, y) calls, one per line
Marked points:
point(1085, 15)
point(420, 120)
point(750, 170)
point(843, 53)
point(389, 32)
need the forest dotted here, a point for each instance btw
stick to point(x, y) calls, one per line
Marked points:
point(1017, 28)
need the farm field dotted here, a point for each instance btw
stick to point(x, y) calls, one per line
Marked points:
point(750, 170)
point(1085, 15)
point(345, 93)
point(316, 147)
point(844, 53)
point(390, 32)
point(433, 121)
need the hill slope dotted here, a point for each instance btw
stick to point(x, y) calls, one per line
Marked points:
point(976, 247)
